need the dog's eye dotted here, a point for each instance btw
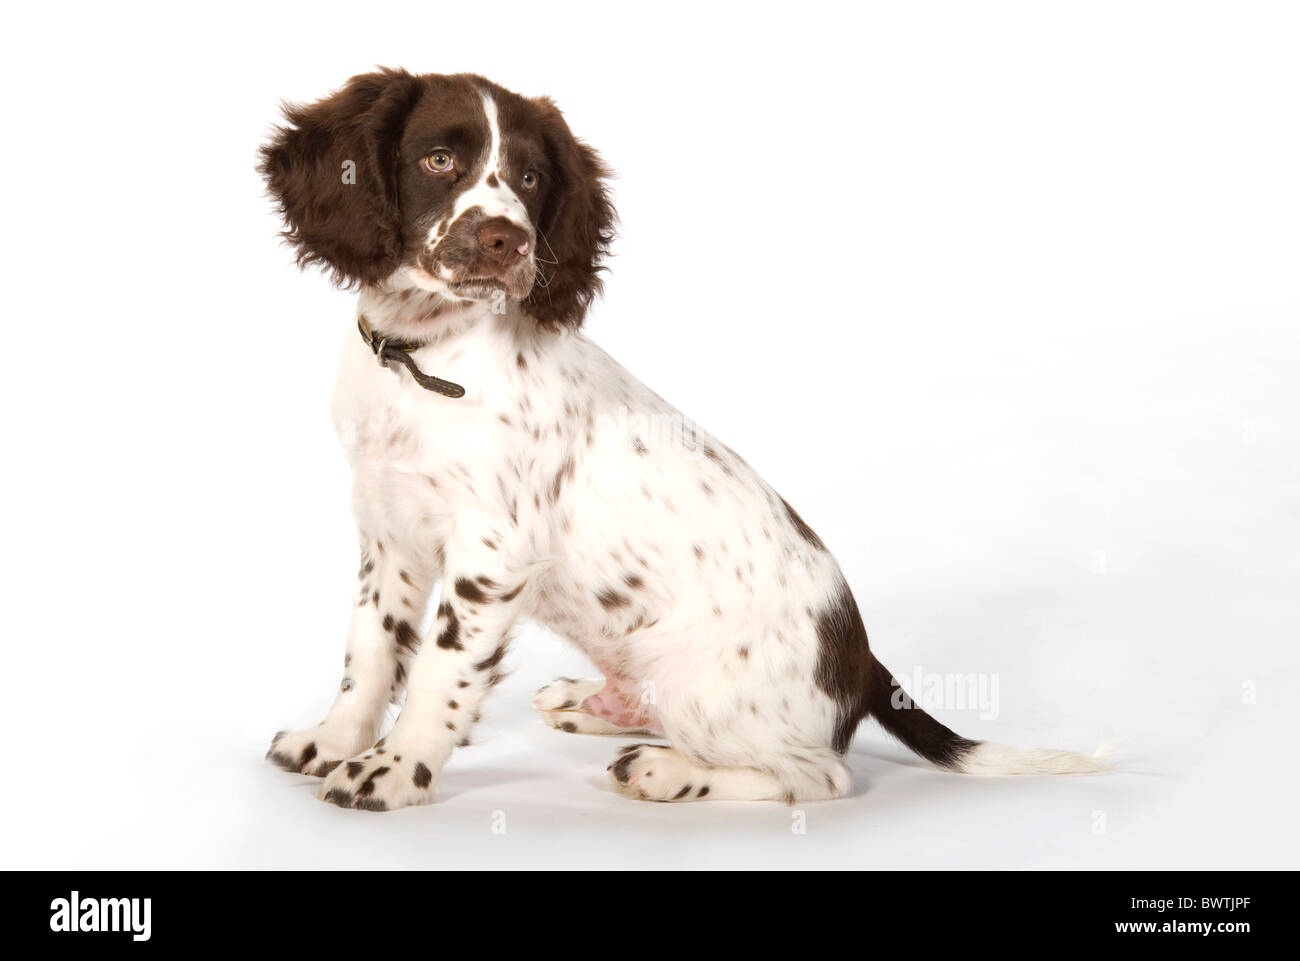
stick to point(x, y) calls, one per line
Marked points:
point(440, 161)
point(529, 181)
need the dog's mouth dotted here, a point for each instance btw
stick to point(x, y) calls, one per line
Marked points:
point(479, 282)
point(475, 281)
point(479, 285)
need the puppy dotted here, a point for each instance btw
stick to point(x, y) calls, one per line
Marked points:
point(502, 457)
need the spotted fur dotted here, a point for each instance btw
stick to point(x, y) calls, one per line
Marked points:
point(558, 489)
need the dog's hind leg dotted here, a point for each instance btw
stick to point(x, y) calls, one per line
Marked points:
point(594, 706)
point(648, 772)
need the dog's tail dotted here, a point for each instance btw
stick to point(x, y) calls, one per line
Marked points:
point(889, 704)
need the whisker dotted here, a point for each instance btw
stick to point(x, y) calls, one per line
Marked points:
point(542, 237)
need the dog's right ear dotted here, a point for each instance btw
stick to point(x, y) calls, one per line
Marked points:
point(333, 171)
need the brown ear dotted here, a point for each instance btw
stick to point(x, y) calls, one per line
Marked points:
point(333, 171)
point(576, 227)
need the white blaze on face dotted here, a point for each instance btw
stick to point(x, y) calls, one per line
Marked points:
point(498, 201)
point(489, 196)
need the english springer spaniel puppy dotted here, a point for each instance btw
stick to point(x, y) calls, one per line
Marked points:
point(503, 458)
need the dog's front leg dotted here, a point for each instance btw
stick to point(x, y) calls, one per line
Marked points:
point(458, 663)
point(393, 590)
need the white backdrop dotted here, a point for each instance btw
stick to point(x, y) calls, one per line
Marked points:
point(1032, 268)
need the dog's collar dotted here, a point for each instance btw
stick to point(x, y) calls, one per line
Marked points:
point(388, 350)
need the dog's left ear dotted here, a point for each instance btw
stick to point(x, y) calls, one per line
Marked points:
point(333, 171)
point(575, 228)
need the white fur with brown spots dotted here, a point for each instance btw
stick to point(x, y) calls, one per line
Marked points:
point(561, 489)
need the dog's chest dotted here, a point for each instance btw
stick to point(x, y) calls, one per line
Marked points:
point(420, 460)
point(408, 447)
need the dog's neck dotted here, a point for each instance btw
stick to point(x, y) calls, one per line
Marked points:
point(399, 310)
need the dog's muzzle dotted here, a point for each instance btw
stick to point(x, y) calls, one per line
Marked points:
point(479, 256)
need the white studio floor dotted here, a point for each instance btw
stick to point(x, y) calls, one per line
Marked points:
point(1202, 792)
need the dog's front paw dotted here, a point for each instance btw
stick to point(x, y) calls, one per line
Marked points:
point(382, 779)
point(315, 751)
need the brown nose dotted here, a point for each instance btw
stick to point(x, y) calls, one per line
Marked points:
point(502, 242)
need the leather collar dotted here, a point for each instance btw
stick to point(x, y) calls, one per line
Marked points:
point(389, 351)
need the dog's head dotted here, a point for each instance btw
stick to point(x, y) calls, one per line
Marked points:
point(465, 189)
